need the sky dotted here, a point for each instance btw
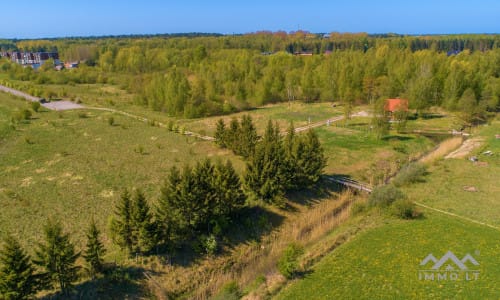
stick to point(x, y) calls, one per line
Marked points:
point(63, 18)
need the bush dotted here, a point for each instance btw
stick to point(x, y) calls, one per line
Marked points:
point(357, 208)
point(35, 106)
point(230, 291)
point(405, 209)
point(410, 173)
point(288, 264)
point(385, 195)
point(111, 121)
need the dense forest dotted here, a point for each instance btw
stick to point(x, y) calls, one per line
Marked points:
point(201, 75)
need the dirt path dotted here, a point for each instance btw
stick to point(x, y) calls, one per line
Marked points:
point(465, 148)
point(329, 121)
point(56, 105)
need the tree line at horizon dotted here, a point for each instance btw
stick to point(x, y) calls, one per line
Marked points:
point(202, 76)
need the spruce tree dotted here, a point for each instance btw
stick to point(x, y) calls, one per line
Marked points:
point(121, 226)
point(264, 176)
point(166, 213)
point(233, 138)
point(220, 134)
point(141, 224)
point(289, 168)
point(310, 160)
point(229, 194)
point(94, 251)
point(17, 278)
point(57, 256)
point(248, 137)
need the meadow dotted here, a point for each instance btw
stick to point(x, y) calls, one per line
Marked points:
point(383, 263)
point(73, 165)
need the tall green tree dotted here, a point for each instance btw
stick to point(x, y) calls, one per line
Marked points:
point(142, 229)
point(94, 250)
point(220, 134)
point(17, 274)
point(121, 224)
point(248, 137)
point(264, 175)
point(57, 256)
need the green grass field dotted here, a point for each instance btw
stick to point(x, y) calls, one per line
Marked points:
point(73, 165)
point(383, 263)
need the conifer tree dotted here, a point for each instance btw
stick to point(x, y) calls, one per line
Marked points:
point(310, 160)
point(94, 251)
point(220, 134)
point(121, 226)
point(264, 174)
point(233, 139)
point(248, 137)
point(57, 256)
point(229, 194)
point(142, 226)
point(166, 213)
point(17, 278)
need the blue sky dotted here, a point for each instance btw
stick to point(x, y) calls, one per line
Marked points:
point(59, 18)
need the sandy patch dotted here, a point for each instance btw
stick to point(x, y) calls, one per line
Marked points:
point(27, 161)
point(11, 168)
point(50, 178)
point(67, 174)
point(53, 162)
point(40, 171)
point(107, 193)
point(154, 138)
point(26, 181)
point(76, 178)
point(465, 148)
point(85, 134)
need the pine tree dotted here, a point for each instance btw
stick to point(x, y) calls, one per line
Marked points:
point(166, 213)
point(310, 160)
point(121, 226)
point(94, 251)
point(141, 224)
point(57, 256)
point(220, 134)
point(233, 138)
point(264, 176)
point(289, 169)
point(248, 137)
point(229, 194)
point(17, 278)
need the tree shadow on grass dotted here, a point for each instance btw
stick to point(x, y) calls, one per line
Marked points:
point(116, 283)
point(397, 138)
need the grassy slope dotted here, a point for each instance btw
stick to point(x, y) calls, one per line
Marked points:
point(75, 168)
point(383, 263)
point(444, 187)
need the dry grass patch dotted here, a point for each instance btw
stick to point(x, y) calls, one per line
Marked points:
point(443, 149)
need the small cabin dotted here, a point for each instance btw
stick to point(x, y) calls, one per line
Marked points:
point(392, 105)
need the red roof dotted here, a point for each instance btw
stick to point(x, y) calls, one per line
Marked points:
point(393, 105)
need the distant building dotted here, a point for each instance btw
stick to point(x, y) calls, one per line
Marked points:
point(392, 105)
point(71, 65)
point(33, 59)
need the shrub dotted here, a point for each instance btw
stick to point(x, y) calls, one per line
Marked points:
point(385, 195)
point(35, 106)
point(357, 208)
point(410, 173)
point(82, 115)
point(405, 209)
point(111, 121)
point(210, 244)
point(288, 264)
point(230, 291)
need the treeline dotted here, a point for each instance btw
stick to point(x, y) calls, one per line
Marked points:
point(201, 76)
point(54, 265)
point(276, 163)
point(195, 207)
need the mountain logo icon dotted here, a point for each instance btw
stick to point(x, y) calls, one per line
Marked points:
point(450, 260)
